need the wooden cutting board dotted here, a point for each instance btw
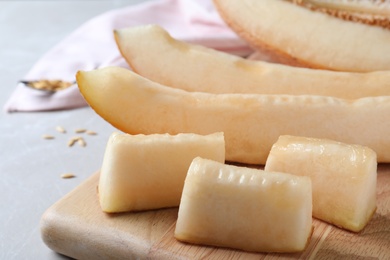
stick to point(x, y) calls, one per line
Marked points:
point(75, 226)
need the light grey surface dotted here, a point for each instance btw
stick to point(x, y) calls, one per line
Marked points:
point(30, 167)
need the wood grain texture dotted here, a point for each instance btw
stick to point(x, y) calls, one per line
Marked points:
point(75, 226)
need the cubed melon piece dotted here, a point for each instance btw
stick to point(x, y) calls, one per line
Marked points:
point(243, 208)
point(343, 177)
point(142, 172)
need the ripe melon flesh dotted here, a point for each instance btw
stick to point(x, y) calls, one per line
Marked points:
point(141, 172)
point(217, 72)
point(304, 37)
point(251, 123)
point(343, 177)
point(243, 208)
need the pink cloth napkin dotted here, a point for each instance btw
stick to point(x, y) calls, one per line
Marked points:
point(92, 46)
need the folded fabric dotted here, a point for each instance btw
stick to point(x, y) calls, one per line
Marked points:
point(92, 46)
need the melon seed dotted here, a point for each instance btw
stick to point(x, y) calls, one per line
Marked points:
point(89, 132)
point(48, 137)
point(81, 142)
point(60, 129)
point(67, 175)
point(73, 140)
point(80, 130)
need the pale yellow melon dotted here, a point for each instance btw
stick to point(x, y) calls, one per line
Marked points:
point(141, 172)
point(301, 36)
point(251, 123)
point(243, 208)
point(154, 54)
point(343, 177)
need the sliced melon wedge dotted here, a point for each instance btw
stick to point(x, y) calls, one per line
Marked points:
point(243, 208)
point(142, 172)
point(251, 123)
point(343, 177)
point(304, 37)
point(196, 68)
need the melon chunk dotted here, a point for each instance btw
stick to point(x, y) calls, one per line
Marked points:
point(141, 172)
point(243, 208)
point(343, 177)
